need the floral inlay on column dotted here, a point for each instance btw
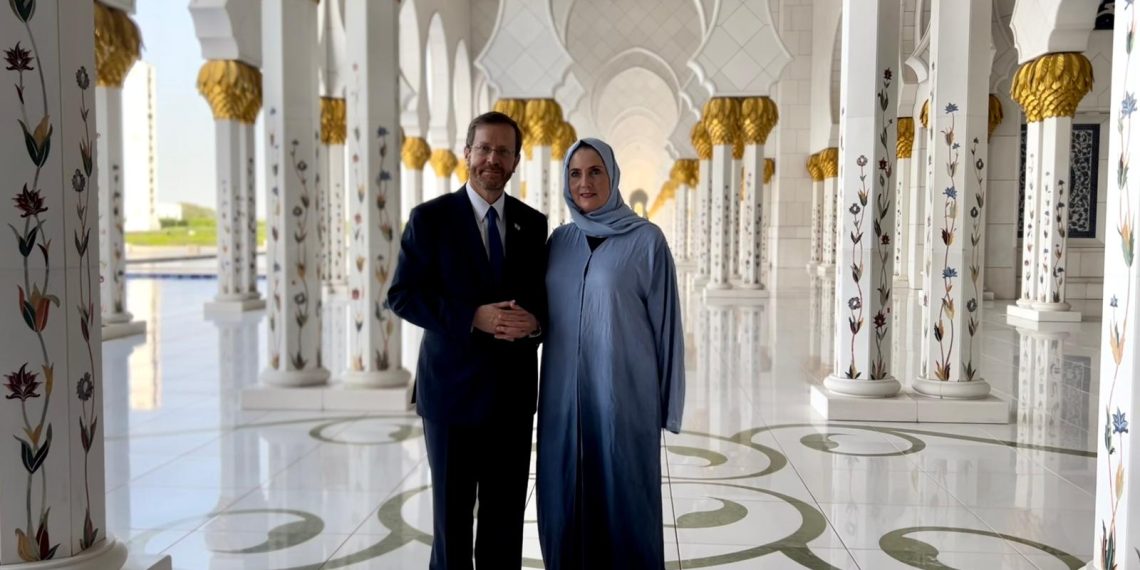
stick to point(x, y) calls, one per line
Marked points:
point(1115, 504)
point(943, 329)
point(33, 388)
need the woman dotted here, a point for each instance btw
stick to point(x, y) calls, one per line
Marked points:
point(613, 375)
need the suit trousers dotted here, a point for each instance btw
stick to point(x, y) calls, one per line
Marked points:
point(491, 461)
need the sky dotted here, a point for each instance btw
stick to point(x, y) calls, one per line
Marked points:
point(184, 123)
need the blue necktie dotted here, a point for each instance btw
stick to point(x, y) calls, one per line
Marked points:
point(494, 243)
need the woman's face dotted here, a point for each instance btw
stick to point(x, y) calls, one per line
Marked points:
point(589, 181)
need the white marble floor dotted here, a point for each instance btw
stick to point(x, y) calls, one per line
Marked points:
point(756, 480)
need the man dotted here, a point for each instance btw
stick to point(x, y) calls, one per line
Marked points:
point(471, 273)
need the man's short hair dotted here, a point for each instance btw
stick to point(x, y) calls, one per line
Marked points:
point(495, 118)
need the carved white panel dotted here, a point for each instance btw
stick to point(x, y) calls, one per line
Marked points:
point(1051, 26)
point(680, 141)
point(330, 27)
point(226, 29)
point(570, 94)
point(743, 54)
point(524, 58)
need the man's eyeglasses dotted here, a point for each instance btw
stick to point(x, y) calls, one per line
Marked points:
point(485, 151)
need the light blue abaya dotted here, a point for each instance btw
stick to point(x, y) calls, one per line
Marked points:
point(613, 375)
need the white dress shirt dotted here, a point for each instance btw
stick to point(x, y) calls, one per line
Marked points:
point(481, 208)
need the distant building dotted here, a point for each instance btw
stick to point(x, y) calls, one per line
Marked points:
point(139, 138)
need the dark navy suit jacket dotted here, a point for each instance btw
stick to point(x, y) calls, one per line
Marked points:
point(465, 376)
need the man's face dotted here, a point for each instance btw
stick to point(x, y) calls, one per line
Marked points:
point(491, 158)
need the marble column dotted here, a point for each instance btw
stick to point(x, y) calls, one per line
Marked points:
point(414, 154)
point(691, 172)
point(680, 212)
point(443, 163)
point(515, 109)
point(373, 116)
point(1048, 89)
point(829, 161)
point(815, 170)
point(904, 147)
point(867, 131)
point(919, 204)
point(233, 89)
point(52, 415)
point(759, 116)
point(1117, 501)
point(703, 145)
point(117, 42)
point(291, 125)
point(333, 136)
point(722, 119)
point(735, 228)
point(765, 229)
point(952, 290)
point(559, 213)
point(543, 123)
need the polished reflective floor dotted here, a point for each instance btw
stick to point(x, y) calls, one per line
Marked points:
point(756, 480)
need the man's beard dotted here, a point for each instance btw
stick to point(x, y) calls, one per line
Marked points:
point(496, 182)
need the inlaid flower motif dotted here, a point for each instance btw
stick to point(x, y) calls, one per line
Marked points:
point(951, 193)
point(855, 209)
point(952, 108)
point(82, 79)
point(1113, 302)
point(861, 161)
point(85, 388)
point(855, 303)
point(18, 58)
point(972, 305)
point(880, 320)
point(381, 132)
point(1127, 105)
point(22, 384)
point(29, 202)
point(1119, 422)
point(78, 181)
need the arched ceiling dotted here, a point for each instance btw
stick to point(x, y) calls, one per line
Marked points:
point(594, 31)
point(638, 87)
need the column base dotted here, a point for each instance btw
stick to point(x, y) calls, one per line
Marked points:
point(972, 390)
point(715, 286)
point(901, 283)
point(233, 305)
point(334, 288)
point(1034, 313)
point(1045, 328)
point(112, 331)
point(294, 378)
point(733, 296)
point(812, 266)
point(334, 397)
point(988, 295)
point(885, 388)
point(908, 407)
point(377, 378)
point(824, 270)
point(109, 555)
point(686, 266)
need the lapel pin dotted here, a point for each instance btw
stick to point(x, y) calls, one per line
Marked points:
point(517, 228)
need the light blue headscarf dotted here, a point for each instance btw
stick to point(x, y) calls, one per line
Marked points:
point(615, 218)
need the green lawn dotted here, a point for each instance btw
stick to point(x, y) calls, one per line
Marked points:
point(198, 232)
